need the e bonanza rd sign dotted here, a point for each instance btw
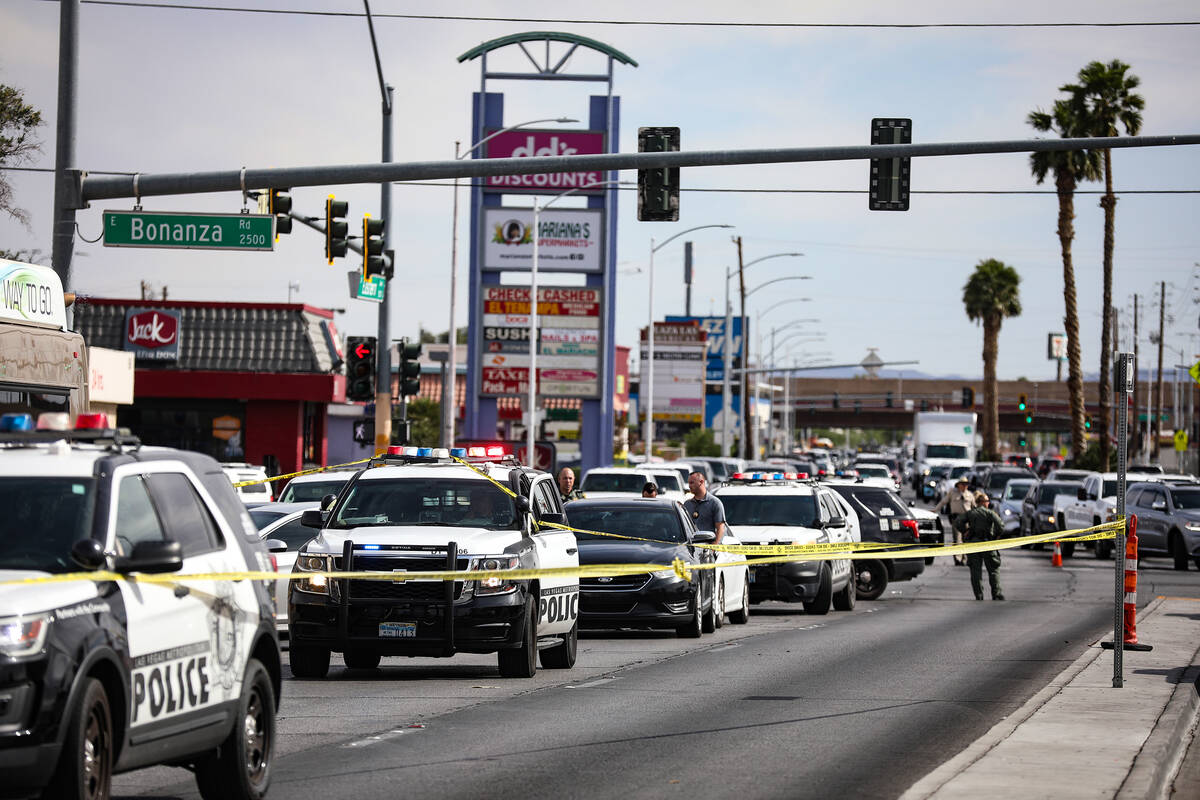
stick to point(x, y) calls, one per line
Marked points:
point(167, 229)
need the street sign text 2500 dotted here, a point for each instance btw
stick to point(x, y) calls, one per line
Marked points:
point(194, 231)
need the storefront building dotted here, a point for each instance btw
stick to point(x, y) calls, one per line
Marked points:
point(239, 381)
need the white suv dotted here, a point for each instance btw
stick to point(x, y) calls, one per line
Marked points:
point(104, 676)
point(413, 512)
point(769, 508)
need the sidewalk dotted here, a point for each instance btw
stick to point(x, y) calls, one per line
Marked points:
point(1080, 737)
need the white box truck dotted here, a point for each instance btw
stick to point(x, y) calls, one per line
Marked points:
point(942, 438)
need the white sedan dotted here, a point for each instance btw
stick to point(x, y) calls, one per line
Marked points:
point(733, 584)
point(281, 521)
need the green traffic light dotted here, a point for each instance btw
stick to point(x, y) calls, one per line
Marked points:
point(1029, 419)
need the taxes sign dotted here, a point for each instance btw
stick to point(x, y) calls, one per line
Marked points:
point(185, 231)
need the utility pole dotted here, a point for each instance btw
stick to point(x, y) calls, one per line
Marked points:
point(687, 278)
point(66, 192)
point(383, 341)
point(1158, 389)
point(1135, 441)
point(745, 354)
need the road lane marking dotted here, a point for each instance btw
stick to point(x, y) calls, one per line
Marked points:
point(590, 684)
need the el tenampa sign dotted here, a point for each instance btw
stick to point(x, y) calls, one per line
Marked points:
point(152, 334)
point(531, 143)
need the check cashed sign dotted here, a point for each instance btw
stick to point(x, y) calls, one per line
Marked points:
point(152, 334)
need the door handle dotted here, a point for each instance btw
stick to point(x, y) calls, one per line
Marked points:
point(572, 551)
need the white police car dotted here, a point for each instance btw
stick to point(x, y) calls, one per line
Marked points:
point(103, 676)
point(420, 510)
point(782, 508)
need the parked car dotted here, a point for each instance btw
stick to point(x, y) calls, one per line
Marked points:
point(722, 467)
point(1067, 474)
point(929, 528)
point(946, 484)
point(660, 599)
point(315, 487)
point(620, 481)
point(873, 474)
point(1037, 509)
point(1046, 463)
point(1095, 502)
point(883, 517)
point(279, 524)
point(667, 479)
point(257, 489)
point(686, 468)
point(995, 479)
point(1009, 507)
point(1168, 521)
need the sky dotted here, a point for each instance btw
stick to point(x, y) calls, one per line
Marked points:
point(167, 90)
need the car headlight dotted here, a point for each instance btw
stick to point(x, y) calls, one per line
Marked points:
point(1008, 512)
point(317, 584)
point(1193, 526)
point(495, 584)
point(1050, 518)
point(23, 636)
point(664, 573)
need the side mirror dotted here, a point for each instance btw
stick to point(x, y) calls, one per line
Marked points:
point(88, 553)
point(704, 537)
point(327, 501)
point(522, 503)
point(276, 546)
point(836, 522)
point(156, 556)
point(1081, 493)
point(313, 518)
point(1092, 496)
point(1159, 505)
point(555, 519)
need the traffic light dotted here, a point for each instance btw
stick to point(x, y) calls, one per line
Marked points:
point(658, 189)
point(410, 370)
point(372, 246)
point(1022, 442)
point(279, 203)
point(968, 397)
point(360, 368)
point(1022, 402)
point(888, 186)
point(336, 228)
point(1028, 417)
point(1087, 422)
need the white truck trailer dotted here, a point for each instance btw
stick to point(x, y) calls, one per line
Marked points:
point(942, 438)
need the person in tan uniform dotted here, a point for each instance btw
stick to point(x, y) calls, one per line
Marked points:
point(956, 503)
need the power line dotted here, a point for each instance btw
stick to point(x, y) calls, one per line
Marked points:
point(655, 23)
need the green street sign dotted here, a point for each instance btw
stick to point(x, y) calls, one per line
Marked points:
point(361, 289)
point(186, 231)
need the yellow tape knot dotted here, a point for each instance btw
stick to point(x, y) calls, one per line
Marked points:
point(681, 569)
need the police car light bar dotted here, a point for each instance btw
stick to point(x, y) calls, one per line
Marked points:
point(769, 476)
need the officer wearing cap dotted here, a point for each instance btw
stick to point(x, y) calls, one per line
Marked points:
point(959, 501)
point(981, 524)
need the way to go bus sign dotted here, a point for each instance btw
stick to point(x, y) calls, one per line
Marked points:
point(176, 230)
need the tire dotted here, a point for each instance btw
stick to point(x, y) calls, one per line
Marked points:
point(521, 662)
point(695, 625)
point(1104, 550)
point(711, 619)
point(820, 604)
point(308, 661)
point(361, 659)
point(1179, 552)
point(1068, 549)
point(871, 579)
point(742, 615)
point(1062, 522)
point(844, 600)
point(928, 560)
point(721, 603)
point(241, 768)
point(89, 731)
point(562, 656)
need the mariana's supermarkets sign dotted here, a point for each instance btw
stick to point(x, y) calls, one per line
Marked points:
point(31, 295)
point(167, 229)
point(570, 239)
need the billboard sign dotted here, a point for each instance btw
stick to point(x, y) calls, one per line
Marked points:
point(533, 143)
point(679, 367)
point(152, 334)
point(715, 328)
point(570, 239)
point(1056, 347)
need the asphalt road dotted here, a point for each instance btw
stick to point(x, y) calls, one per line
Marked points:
point(788, 705)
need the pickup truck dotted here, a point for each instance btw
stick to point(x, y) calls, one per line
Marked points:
point(1095, 502)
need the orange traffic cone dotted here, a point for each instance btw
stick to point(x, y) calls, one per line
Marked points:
point(1130, 601)
point(1056, 559)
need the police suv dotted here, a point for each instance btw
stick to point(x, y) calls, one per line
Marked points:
point(783, 508)
point(104, 676)
point(428, 510)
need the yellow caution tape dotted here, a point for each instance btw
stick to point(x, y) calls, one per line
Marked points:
point(312, 471)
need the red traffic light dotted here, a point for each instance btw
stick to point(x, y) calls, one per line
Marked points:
point(363, 350)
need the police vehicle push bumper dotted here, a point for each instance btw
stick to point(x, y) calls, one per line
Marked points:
point(405, 618)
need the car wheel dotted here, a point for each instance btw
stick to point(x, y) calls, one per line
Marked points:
point(1062, 522)
point(562, 656)
point(708, 621)
point(820, 604)
point(361, 659)
point(241, 767)
point(1178, 551)
point(694, 626)
point(85, 766)
point(521, 662)
point(870, 579)
point(307, 661)
point(742, 615)
point(720, 603)
point(844, 600)
point(1104, 550)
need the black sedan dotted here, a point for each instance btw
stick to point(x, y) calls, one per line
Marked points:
point(1037, 509)
point(659, 599)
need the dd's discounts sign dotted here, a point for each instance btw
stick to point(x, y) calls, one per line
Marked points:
point(568, 341)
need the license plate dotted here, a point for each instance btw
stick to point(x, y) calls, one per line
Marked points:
point(397, 630)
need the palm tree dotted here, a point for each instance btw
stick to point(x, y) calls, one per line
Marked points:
point(1104, 98)
point(991, 294)
point(1068, 167)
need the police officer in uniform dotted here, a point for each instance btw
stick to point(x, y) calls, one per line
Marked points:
point(957, 502)
point(566, 485)
point(981, 524)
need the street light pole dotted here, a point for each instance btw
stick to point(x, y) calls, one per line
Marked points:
point(647, 390)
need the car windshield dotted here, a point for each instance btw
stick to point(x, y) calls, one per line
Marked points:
point(1109, 490)
point(946, 451)
point(1016, 490)
point(311, 491)
point(443, 502)
point(720, 469)
point(1186, 498)
point(956, 472)
point(659, 524)
point(998, 480)
point(263, 517)
point(1051, 491)
point(938, 472)
point(873, 471)
point(43, 517)
point(254, 488)
point(769, 509)
point(614, 482)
